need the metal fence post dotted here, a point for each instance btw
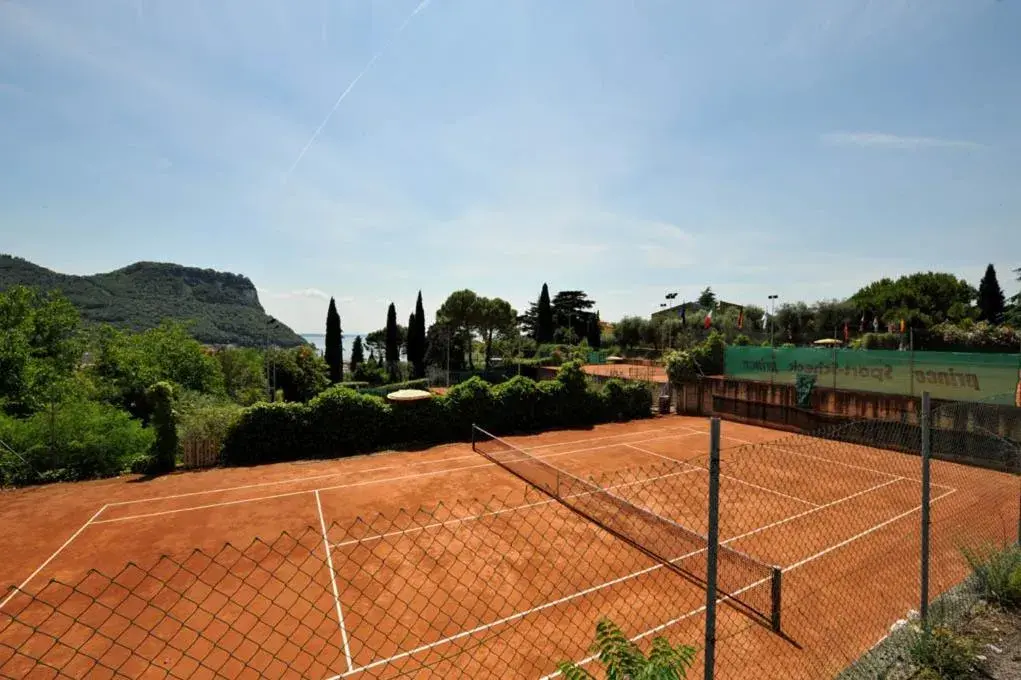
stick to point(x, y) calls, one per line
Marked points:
point(926, 451)
point(714, 536)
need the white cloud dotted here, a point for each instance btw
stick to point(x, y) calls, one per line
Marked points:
point(887, 141)
point(303, 293)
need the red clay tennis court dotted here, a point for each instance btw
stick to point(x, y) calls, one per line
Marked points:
point(440, 563)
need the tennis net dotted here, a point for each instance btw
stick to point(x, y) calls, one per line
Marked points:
point(741, 579)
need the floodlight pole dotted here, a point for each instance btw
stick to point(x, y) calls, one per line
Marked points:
point(772, 315)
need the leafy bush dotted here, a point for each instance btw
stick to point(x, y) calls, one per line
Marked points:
point(681, 368)
point(267, 433)
point(471, 402)
point(622, 659)
point(626, 400)
point(742, 340)
point(997, 573)
point(428, 421)
point(71, 441)
point(880, 341)
point(342, 422)
point(939, 653)
point(708, 355)
point(971, 337)
point(207, 423)
point(370, 373)
point(516, 403)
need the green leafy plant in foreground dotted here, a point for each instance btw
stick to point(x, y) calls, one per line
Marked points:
point(939, 653)
point(623, 660)
point(997, 573)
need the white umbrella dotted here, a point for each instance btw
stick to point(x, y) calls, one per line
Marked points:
point(409, 395)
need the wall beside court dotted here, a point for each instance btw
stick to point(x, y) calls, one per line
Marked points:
point(982, 434)
point(958, 376)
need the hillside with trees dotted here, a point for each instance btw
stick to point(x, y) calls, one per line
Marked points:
point(219, 308)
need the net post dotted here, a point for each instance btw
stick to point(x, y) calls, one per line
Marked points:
point(775, 594)
point(473, 438)
point(712, 548)
point(926, 488)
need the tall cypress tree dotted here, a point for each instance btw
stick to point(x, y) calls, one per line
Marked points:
point(357, 353)
point(334, 349)
point(544, 317)
point(595, 331)
point(991, 301)
point(392, 345)
point(409, 343)
point(418, 359)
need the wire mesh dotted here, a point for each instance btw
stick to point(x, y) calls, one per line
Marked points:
point(628, 516)
point(509, 586)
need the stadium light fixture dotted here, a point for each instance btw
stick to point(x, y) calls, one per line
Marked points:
point(772, 322)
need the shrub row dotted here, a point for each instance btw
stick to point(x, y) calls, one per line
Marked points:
point(341, 422)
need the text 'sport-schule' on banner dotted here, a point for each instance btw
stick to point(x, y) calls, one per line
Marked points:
point(945, 375)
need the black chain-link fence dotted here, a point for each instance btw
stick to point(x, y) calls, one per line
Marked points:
point(511, 586)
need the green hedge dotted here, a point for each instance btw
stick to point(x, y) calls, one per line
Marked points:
point(342, 422)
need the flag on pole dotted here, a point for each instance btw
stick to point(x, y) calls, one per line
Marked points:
point(847, 332)
point(903, 326)
point(861, 326)
point(740, 318)
point(709, 319)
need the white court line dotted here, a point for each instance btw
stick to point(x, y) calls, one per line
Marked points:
point(333, 582)
point(51, 557)
point(730, 477)
point(663, 626)
point(609, 436)
point(293, 480)
point(416, 475)
point(525, 506)
point(836, 463)
point(438, 461)
point(607, 584)
point(801, 563)
point(863, 534)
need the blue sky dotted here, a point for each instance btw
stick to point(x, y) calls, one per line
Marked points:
point(624, 147)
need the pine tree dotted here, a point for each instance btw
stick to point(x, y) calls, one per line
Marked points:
point(418, 359)
point(334, 350)
point(357, 353)
point(991, 301)
point(544, 321)
point(392, 344)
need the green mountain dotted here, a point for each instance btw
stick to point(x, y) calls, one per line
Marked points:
point(221, 308)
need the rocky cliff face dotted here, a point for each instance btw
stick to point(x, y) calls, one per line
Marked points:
point(220, 307)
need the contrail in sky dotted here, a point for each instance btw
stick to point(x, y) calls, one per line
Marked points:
point(347, 90)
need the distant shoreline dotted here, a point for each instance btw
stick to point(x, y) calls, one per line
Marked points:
point(318, 340)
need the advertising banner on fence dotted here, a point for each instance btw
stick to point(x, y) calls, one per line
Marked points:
point(945, 375)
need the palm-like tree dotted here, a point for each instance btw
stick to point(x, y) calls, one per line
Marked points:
point(623, 660)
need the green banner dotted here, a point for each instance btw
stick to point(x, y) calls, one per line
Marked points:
point(945, 375)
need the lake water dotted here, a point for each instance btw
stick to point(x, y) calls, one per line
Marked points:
point(319, 340)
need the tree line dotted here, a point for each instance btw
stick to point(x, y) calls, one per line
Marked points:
point(463, 323)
